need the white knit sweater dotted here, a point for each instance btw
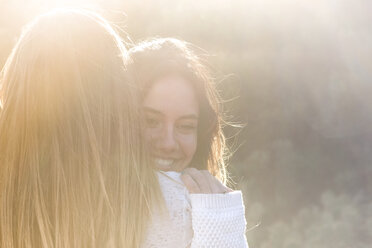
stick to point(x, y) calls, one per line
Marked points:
point(196, 220)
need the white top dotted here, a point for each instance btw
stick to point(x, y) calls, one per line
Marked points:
point(196, 220)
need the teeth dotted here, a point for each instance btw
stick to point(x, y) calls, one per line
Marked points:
point(164, 162)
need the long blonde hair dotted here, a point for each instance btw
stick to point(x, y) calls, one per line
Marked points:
point(73, 172)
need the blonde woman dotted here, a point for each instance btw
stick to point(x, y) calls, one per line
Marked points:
point(73, 170)
point(183, 128)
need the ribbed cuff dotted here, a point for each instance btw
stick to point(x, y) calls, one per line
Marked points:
point(212, 201)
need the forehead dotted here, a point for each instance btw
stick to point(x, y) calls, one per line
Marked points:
point(172, 95)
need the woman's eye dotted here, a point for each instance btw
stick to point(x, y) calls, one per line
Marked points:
point(152, 122)
point(187, 127)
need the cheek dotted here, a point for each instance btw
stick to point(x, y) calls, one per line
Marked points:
point(189, 144)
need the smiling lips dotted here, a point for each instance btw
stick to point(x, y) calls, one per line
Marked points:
point(161, 162)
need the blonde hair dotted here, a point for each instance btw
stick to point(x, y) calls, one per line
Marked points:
point(73, 170)
point(156, 58)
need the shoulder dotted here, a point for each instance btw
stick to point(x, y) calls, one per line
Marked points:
point(170, 177)
point(174, 191)
point(172, 227)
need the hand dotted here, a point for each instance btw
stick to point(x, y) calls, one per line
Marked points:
point(202, 182)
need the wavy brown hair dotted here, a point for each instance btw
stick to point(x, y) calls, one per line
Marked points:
point(73, 169)
point(157, 58)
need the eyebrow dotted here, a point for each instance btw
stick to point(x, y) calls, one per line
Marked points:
point(154, 111)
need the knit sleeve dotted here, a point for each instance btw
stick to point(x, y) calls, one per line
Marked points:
point(196, 220)
point(218, 220)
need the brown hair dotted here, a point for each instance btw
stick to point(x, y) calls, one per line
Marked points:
point(73, 170)
point(157, 58)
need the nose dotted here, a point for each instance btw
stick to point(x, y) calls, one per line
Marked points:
point(167, 141)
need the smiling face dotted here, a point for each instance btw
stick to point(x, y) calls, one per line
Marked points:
point(172, 113)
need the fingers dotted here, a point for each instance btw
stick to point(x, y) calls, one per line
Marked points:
point(218, 186)
point(195, 181)
point(190, 184)
point(201, 179)
point(202, 182)
point(225, 189)
point(213, 182)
